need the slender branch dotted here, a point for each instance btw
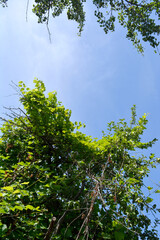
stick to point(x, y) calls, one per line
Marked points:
point(135, 4)
point(86, 220)
point(73, 221)
point(27, 10)
point(50, 229)
point(59, 223)
point(80, 191)
point(49, 33)
point(64, 214)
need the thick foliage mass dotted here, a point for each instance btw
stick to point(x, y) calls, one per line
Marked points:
point(139, 17)
point(58, 183)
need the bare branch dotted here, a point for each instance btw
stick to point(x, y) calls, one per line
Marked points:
point(135, 4)
point(27, 10)
point(50, 229)
point(59, 223)
point(73, 221)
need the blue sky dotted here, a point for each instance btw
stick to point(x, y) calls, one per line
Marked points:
point(99, 77)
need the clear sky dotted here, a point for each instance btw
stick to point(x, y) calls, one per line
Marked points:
point(99, 77)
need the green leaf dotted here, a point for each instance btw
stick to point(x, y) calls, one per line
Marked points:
point(25, 183)
point(119, 235)
point(8, 188)
point(149, 200)
point(2, 210)
point(29, 207)
point(19, 208)
point(54, 169)
point(4, 227)
point(16, 191)
point(157, 191)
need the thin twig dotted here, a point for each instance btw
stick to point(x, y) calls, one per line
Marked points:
point(59, 223)
point(86, 220)
point(50, 229)
point(27, 10)
point(73, 221)
point(49, 33)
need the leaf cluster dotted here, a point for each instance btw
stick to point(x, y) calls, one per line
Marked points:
point(140, 18)
point(50, 170)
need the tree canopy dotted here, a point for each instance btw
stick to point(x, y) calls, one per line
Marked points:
point(140, 18)
point(58, 183)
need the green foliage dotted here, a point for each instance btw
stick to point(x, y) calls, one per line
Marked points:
point(92, 188)
point(3, 3)
point(139, 17)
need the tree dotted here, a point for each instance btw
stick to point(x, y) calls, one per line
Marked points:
point(58, 183)
point(139, 17)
